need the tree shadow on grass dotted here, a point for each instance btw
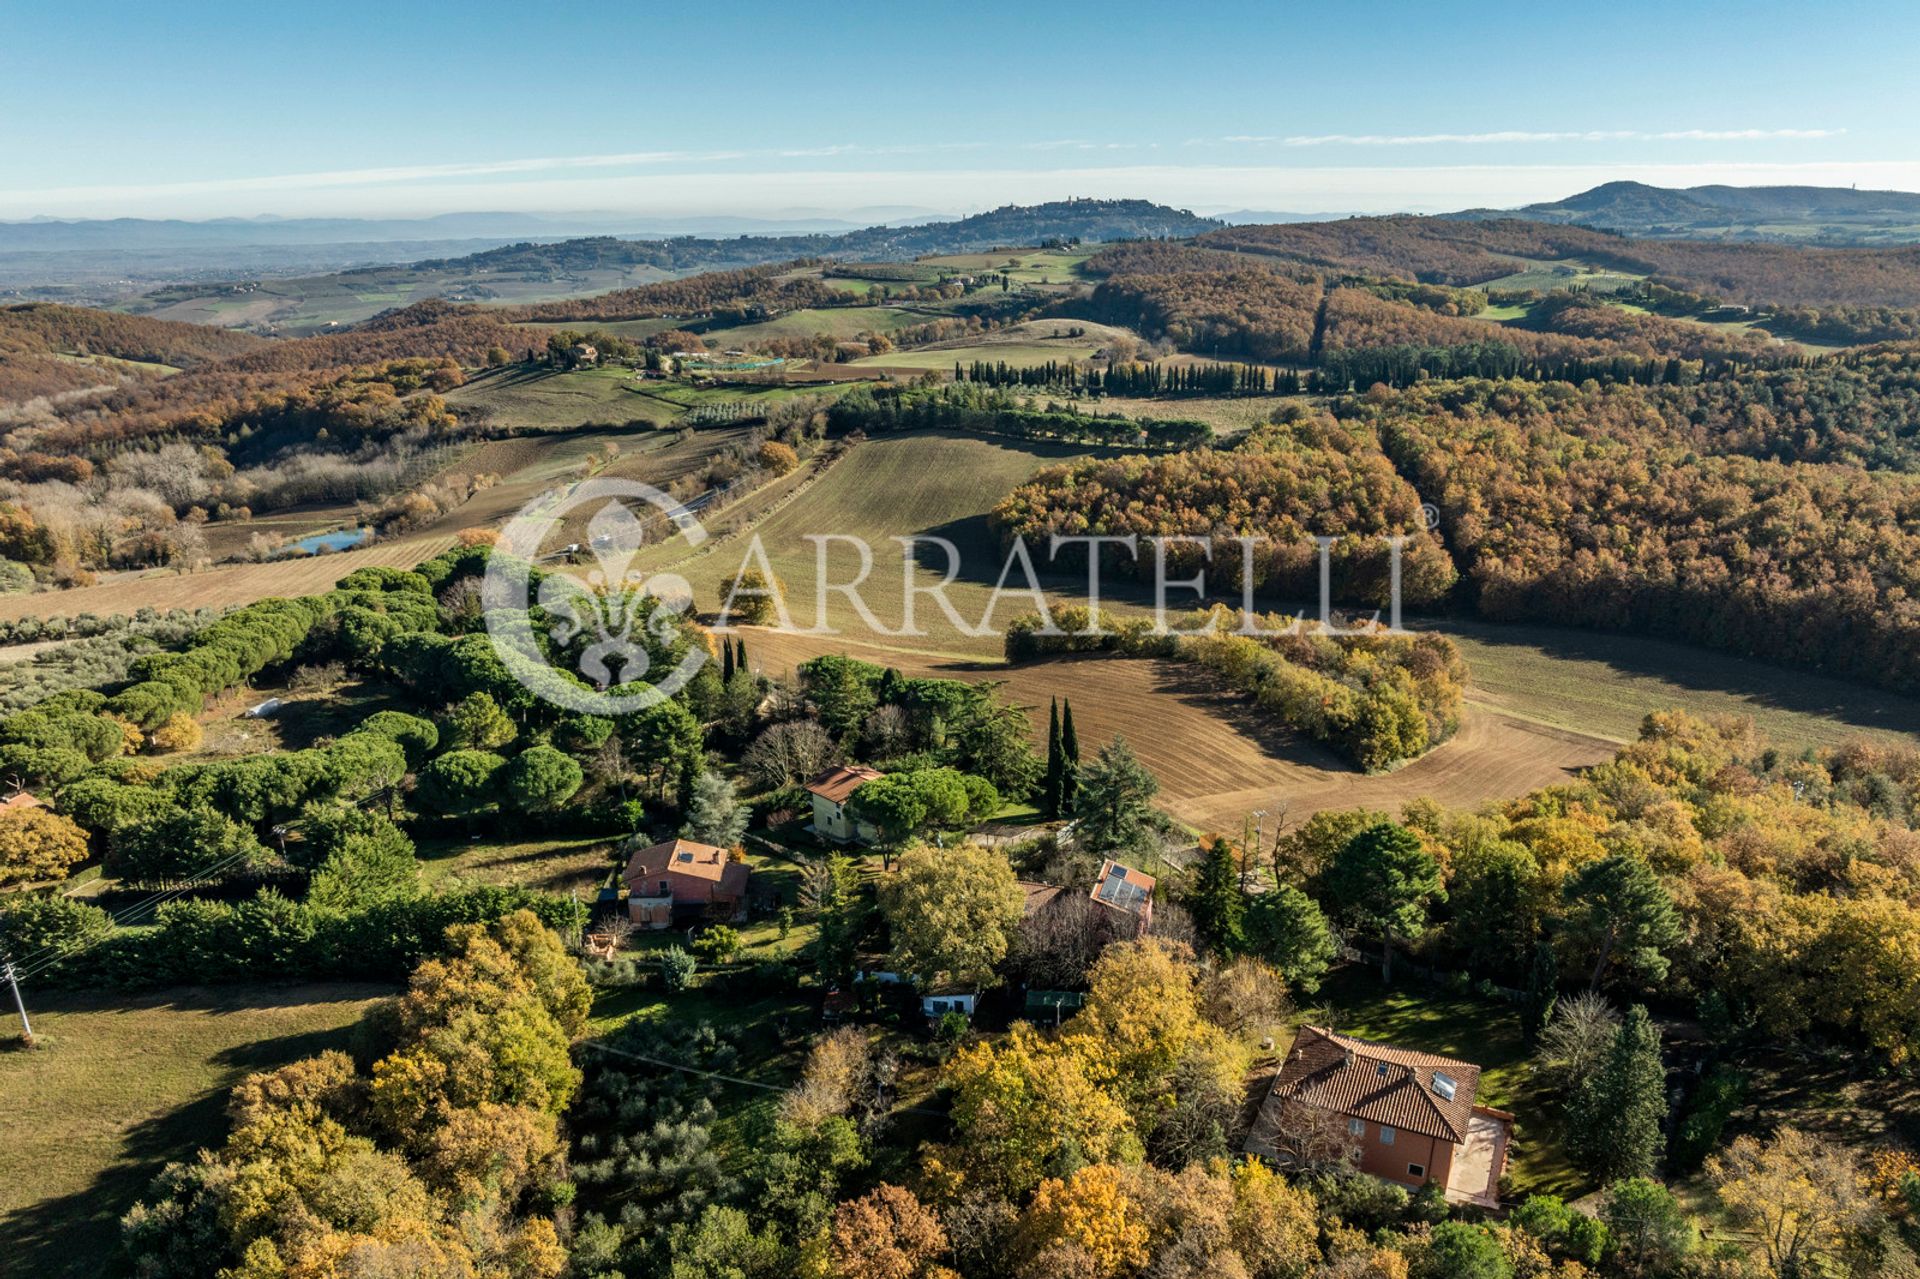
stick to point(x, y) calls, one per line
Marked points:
point(77, 1235)
point(1704, 670)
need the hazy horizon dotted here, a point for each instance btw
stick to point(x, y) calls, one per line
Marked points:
point(737, 111)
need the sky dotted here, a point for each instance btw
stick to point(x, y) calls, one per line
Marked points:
point(201, 109)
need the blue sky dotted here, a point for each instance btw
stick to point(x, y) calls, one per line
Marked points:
point(215, 109)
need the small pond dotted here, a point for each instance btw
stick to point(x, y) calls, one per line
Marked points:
point(338, 540)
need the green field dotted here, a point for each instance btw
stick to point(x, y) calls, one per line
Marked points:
point(890, 486)
point(547, 865)
point(843, 323)
point(1017, 345)
point(120, 1085)
point(1025, 266)
point(636, 330)
point(1545, 277)
point(117, 363)
point(1227, 414)
point(535, 399)
point(1604, 685)
point(1019, 355)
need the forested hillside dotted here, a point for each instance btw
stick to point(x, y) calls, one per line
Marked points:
point(1443, 251)
point(48, 350)
point(1790, 214)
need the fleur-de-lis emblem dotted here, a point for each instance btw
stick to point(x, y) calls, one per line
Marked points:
point(608, 604)
point(610, 612)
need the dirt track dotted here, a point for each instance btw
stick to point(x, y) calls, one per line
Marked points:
point(219, 587)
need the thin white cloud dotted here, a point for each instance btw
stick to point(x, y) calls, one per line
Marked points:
point(773, 192)
point(1510, 136)
point(514, 172)
point(418, 173)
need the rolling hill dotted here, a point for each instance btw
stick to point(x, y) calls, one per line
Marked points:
point(1791, 214)
point(543, 271)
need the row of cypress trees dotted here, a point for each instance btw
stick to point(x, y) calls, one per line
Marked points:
point(1062, 782)
point(733, 657)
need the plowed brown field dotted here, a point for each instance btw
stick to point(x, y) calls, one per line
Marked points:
point(1216, 758)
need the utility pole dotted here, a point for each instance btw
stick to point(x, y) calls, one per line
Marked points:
point(13, 980)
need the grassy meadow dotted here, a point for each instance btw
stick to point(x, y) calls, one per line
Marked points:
point(118, 1086)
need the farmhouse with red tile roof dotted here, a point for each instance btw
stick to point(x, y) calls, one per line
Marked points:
point(1409, 1117)
point(691, 878)
point(830, 791)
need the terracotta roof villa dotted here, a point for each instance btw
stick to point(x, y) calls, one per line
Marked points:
point(1410, 1117)
point(830, 792)
point(688, 875)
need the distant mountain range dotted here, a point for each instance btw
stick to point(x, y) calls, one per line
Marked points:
point(1786, 214)
point(1009, 225)
point(125, 256)
point(48, 235)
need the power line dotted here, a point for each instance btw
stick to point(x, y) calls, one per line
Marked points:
point(129, 911)
point(41, 960)
point(26, 1027)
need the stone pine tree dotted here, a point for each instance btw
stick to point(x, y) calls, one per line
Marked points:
point(1613, 1121)
point(1618, 911)
point(1383, 880)
point(1069, 757)
point(1543, 992)
point(1218, 907)
point(1050, 785)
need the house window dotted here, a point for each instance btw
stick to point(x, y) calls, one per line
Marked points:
point(1386, 1135)
point(1416, 1170)
point(1355, 1127)
point(1446, 1085)
point(1382, 1068)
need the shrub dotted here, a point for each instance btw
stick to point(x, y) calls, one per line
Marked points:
point(718, 944)
point(40, 926)
point(179, 732)
point(776, 457)
point(460, 781)
point(417, 737)
point(541, 778)
point(677, 968)
point(1711, 1105)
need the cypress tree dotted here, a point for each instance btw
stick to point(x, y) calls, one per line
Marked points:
point(726, 662)
point(1613, 1122)
point(1050, 788)
point(1069, 758)
point(740, 655)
